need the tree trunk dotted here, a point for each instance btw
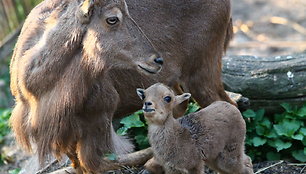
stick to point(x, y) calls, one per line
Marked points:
point(267, 82)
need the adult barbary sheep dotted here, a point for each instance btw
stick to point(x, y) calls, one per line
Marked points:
point(77, 64)
point(214, 135)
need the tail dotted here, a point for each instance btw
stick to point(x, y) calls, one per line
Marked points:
point(121, 145)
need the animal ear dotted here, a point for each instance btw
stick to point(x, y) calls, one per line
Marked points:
point(141, 93)
point(182, 98)
point(85, 10)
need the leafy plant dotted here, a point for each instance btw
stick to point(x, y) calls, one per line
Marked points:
point(4, 128)
point(14, 171)
point(135, 127)
point(279, 136)
point(192, 107)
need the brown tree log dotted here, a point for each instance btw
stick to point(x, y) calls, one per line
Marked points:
point(267, 82)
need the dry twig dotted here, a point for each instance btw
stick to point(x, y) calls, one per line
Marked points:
point(47, 167)
point(266, 168)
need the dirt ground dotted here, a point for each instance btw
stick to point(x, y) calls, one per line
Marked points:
point(263, 28)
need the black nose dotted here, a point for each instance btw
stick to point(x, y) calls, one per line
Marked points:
point(148, 103)
point(159, 60)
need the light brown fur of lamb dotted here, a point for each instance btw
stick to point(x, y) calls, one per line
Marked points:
point(214, 135)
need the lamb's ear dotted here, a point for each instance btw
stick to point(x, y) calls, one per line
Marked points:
point(85, 10)
point(182, 98)
point(141, 93)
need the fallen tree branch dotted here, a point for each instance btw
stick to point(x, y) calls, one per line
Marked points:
point(276, 44)
point(47, 167)
point(298, 164)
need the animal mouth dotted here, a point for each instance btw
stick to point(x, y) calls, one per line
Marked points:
point(147, 110)
point(149, 70)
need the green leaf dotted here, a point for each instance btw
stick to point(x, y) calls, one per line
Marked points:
point(132, 121)
point(290, 116)
point(302, 112)
point(271, 134)
point(287, 107)
point(266, 123)
point(260, 130)
point(287, 128)
point(303, 131)
point(111, 156)
point(142, 141)
point(280, 145)
point(14, 171)
point(298, 137)
point(249, 113)
point(273, 156)
point(278, 117)
point(260, 114)
point(192, 107)
point(122, 131)
point(304, 141)
point(257, 141)
point(299, 155)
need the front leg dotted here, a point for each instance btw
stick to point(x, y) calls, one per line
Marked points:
point(94, 143)
point(153, 166)
point(197, 170)
point(173, 170)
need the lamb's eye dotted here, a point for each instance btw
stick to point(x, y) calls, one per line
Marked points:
point(168, 99)
point(112, 20)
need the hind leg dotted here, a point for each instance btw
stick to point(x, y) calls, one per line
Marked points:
point(154, 167)
point(206, 89)
point(173, 170)
point(228, 164)
point(231, 162)
point(197, 170)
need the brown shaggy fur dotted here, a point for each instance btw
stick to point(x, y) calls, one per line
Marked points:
point(72, 73)
point(214, 135)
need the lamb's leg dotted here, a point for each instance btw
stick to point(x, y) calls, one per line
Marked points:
point(233, 162)
point(172, 170)
point(197, 170)
point(247, 165)
point(153, 166)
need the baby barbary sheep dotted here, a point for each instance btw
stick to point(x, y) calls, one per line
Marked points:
point(213, 136)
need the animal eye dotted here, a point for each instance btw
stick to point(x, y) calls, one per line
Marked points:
point(168, 99)
point(112, 20)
